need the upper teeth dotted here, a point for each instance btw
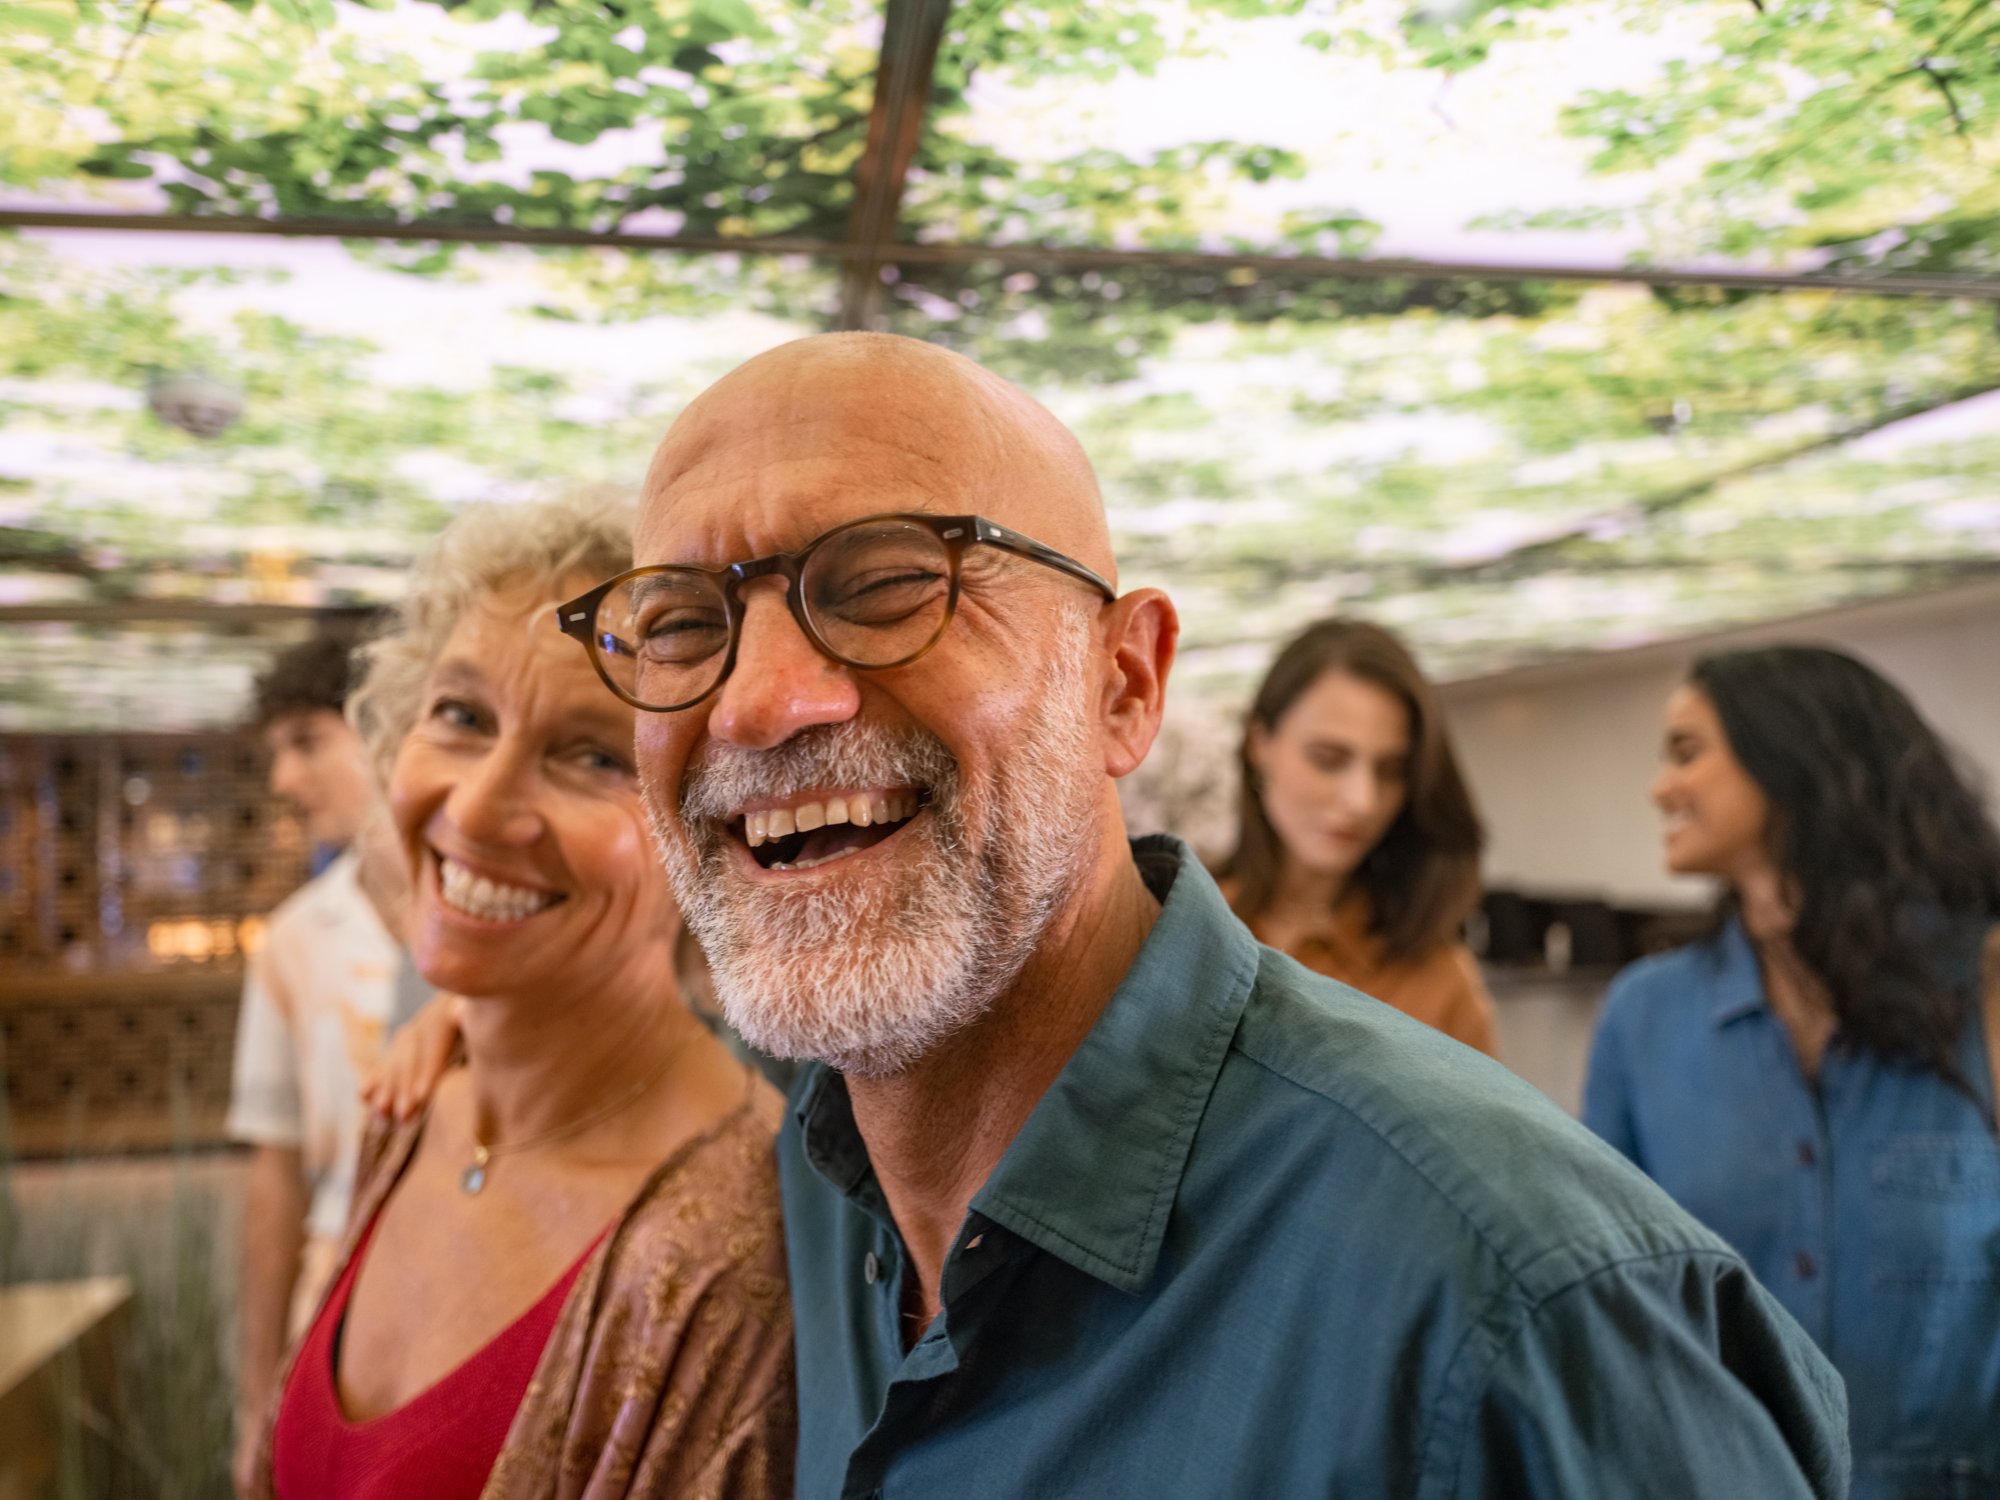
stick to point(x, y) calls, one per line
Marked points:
point(858, 808)
point(477, 896)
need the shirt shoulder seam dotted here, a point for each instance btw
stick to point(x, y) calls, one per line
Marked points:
point(1516, 1270)
point(1461, 1383)
point(1514, 1283)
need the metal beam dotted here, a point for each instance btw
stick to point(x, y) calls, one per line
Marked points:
point(423, 231)
point(1400, 575)
point(911, 34)
point(1015, 257)
point(1305, 267)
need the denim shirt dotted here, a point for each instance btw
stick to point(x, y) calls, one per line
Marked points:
point(1264, 1236)
point(1869, 1203)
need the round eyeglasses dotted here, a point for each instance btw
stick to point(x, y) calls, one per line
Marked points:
point(873, 593)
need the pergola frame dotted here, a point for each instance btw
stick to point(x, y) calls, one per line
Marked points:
point(913, 31)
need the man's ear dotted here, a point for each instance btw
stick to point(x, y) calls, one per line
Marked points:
point(1141, 630)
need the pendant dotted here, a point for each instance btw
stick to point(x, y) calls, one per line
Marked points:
point(474, 1176)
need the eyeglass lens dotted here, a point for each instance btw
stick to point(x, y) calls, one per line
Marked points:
point(875, 594)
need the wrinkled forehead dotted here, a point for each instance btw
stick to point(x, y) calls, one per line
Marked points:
point(754, 492)
point(776, 454)
point(768, 475)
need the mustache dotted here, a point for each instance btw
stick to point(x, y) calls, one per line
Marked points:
point(845, 754)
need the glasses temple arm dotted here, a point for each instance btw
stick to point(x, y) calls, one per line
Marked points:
point(1048, 556)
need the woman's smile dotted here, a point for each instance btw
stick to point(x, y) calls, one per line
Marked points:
point(486, 898)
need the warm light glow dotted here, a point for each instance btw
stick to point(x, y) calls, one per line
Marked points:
point(200, 941)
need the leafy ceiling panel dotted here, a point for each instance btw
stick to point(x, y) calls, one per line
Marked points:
point(1806, 134)
point(1506, 473)
point(731, 117)
point(1505, 469)
point(159, 678)
point(372, 400)
point(1797, 133)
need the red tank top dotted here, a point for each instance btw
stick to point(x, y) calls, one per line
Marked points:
point(442, 1443)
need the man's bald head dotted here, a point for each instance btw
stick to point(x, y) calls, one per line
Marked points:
point(864, 404)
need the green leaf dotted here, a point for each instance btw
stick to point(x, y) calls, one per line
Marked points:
point(55, 21)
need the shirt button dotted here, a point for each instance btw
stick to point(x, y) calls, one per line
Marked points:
point(1808, 1156)
point(871, 1268)
point(1806, 1266)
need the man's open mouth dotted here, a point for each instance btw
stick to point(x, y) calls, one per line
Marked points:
point(803, 835)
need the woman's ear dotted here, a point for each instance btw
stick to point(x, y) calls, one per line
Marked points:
point(1256, 746)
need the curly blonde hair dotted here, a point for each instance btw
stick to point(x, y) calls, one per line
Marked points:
point(485, 550)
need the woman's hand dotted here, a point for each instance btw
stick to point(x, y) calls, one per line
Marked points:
point(402, 1082)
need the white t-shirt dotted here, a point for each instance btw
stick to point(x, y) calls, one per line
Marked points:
point(317, 1005)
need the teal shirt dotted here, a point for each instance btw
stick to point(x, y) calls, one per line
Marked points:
point(1265, 1236)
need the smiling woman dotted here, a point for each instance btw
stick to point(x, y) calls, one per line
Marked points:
point(529, 1256)
point(1815, 1081)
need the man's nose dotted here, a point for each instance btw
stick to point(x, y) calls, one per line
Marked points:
point(781, 683)
point(493, 803)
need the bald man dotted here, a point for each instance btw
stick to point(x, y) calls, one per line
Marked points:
point(1086, 1193)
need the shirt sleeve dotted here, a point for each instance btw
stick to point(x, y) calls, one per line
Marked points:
point(1657, 1379)
point(264, 1103)
point(1607, 1092)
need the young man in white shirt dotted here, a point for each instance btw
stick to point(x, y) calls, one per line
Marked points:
point(318, 1001)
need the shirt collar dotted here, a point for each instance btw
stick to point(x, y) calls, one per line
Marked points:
point(1094, 1171)
point(1952, 940)
point(1736, 985)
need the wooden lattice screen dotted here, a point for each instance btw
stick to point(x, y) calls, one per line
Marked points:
point(135, 871)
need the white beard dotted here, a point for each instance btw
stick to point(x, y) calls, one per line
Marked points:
point(870, 975)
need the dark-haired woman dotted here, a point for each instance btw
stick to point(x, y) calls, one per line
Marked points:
point(1357, 847)
point(1812, 1081)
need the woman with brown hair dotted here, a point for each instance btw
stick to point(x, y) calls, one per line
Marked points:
point(1357, 848)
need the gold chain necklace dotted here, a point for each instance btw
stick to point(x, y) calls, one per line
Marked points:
point(473, 1178)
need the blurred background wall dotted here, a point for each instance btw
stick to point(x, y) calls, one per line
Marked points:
point(1561, 756)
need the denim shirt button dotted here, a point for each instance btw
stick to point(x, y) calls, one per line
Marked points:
point(871, 1268)
point(1806, 1266)
point(1808, 1154)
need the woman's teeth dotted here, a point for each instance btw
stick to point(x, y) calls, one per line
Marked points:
point(859, 808)
point(489, 900)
